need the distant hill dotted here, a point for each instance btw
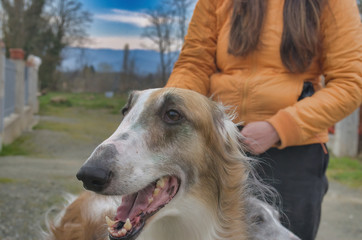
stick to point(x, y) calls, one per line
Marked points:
point(146, 61)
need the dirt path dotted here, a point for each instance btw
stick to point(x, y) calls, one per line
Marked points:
point(342, 214)
point(35, 185)
point(31, 185)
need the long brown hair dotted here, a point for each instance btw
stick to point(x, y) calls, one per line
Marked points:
point(300, 39)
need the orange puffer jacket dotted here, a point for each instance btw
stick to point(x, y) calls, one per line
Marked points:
point(259, 87)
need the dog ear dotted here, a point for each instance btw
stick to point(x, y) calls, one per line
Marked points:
point(228, 131)
point(126, 107)
point(219, 122)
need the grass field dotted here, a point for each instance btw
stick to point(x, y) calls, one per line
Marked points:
point(346, 170)
point(81, 116)
point(18, 147)
point(50, 105)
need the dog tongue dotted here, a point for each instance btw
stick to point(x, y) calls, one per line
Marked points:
point(148, 199)
point(133, 204)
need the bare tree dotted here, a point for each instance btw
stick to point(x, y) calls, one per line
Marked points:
point(44, 28)
point(69, 21)
point(22, 19)
point(181, 10)
point(160, 32)
point(126, 60)
point(127, 71)
point(67, 26)
point(167, 30)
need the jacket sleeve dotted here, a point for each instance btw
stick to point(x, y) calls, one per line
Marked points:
point(197, 58)
point(341, 61)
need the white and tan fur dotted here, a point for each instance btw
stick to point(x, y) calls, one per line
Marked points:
point(203, 150)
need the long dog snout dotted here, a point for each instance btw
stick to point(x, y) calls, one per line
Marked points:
point(96, 173)
point(94, 178)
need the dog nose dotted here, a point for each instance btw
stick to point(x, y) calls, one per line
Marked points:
point(94, 178)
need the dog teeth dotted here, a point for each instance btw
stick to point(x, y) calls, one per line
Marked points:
point(160, 183)
point(110, 222)
point(159, 186)
point(118, 233)
point(114, 232)
point(150, 200)
point(122, 232)
point(128, 225)
point(156, 192)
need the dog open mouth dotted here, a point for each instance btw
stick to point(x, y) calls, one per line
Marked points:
point(136, 208)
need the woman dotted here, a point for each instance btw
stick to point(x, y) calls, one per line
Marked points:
point(257, 55)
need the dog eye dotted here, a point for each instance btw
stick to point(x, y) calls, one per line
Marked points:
point(172, 116)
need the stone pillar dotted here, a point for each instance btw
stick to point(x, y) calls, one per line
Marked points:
point(2, 92)
point(33, 89)
point(346, 136)
point(20, 91)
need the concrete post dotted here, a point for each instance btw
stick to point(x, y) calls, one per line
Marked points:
point(346, 136)
point(20, 91)
point(33, 89)
point(2, 93)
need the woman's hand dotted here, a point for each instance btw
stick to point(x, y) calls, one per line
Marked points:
point(259, 136)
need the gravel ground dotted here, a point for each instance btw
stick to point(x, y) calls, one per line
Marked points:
point(341, 214)
point(31, 185)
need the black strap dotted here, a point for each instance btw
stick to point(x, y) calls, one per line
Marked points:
point(307, 91)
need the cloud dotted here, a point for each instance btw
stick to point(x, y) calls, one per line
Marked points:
point(118, 42)
point(123, 16)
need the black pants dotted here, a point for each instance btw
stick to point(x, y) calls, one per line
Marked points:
point(298, 174)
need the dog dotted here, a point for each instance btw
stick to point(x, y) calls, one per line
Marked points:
point(174, 169)
point(84, 219)
point(264, 222)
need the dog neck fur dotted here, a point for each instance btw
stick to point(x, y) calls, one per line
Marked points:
point(82, 218)
point(185, 218)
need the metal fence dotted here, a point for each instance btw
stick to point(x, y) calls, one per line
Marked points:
point(10, 81)
point(18, 97)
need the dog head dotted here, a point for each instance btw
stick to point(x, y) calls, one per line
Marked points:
point(156, 154)
point(264, 222)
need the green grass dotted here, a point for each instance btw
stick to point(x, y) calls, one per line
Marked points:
point(81, 100)
point(82, 124)
point(16, 148)
point(6, 180)
point(86, 116)
point(346, 170)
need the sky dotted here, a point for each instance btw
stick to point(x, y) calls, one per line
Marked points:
point(118, 22)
